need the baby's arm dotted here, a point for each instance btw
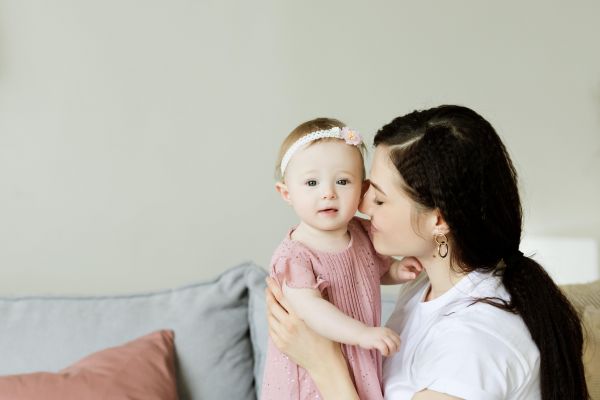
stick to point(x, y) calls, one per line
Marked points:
point(402, 271)
point(330, 322)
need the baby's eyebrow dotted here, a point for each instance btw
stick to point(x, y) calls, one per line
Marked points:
point(347, 172)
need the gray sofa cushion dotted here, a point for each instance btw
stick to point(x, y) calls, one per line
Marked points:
point(209, 319)
point(259, 332)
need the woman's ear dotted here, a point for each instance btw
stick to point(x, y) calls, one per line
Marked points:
point(282, 189)
point(439, 223)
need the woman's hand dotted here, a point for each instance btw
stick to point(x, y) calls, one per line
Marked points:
point(291, 335)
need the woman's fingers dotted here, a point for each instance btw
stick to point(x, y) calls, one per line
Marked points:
point(275, 310)
point(277, 292)
point(275, 289)
point(276, 302)
point(277, 334)
point(282, 322)
point(277, 330)
point(276, 316)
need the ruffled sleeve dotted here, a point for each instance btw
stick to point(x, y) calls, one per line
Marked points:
point(296, 270)
point(383, 262)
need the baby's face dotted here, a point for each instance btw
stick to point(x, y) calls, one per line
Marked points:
point(324, 181)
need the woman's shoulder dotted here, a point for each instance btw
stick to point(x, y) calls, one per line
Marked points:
point(486, 321)
point(494, 349)
point(459, 337)
point(488, 332)
point(478, 317)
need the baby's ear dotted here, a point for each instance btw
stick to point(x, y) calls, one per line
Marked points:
point(282, 189)
point(365, 186)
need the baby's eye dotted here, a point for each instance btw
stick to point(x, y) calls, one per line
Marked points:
point(377, 202)
point(343, 181)
point(311, 182)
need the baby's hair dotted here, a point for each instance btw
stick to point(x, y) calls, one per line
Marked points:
point(317, 124)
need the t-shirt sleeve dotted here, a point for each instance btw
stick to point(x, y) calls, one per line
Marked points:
point(296, 270)
point(467, 364)
point(384, 262)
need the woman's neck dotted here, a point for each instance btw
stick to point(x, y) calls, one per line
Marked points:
point(441, 276)
point(334, 240)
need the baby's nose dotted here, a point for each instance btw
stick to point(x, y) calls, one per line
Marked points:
point(329, 195)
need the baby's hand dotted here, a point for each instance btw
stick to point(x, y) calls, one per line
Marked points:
point(406, 269)
point(383, 339)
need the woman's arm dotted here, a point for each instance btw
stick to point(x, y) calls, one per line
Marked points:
point(327, 320)
point(322, 358)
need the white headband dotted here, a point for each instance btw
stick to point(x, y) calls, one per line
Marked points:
point(349, 135)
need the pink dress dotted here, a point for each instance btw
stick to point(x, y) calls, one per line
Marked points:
point(350, 280)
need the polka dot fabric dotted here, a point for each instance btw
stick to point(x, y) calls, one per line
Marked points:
point(350, 280)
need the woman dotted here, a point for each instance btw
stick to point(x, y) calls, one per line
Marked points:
point(483, 321)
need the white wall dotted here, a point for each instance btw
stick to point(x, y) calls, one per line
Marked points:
point(137, 139)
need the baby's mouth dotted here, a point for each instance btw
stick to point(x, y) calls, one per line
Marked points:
point(328, 211)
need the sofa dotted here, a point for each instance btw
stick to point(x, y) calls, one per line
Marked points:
point(218, 331)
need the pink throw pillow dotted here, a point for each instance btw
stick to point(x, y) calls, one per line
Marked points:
point(142, 369)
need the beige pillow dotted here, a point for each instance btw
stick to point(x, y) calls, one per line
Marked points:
point(583, 295)
point(143, 369)
point(591, 354)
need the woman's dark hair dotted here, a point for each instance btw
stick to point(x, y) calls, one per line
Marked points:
point(451, 159)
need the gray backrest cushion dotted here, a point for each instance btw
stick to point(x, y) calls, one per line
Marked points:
point(260, 333)
point(210, 321)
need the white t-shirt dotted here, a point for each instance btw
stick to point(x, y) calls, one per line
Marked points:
point(474, 352)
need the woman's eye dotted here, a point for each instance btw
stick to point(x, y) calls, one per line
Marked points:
point(342, 181)
point(311, 183)
point(377, 202)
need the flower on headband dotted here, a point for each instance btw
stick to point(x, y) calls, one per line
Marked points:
point(351, 136)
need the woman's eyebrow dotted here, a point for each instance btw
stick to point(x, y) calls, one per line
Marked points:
point(378, 188)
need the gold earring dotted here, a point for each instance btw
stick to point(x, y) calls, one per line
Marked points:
point(442, 242)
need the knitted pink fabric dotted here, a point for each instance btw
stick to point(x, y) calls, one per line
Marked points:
point(349, 279)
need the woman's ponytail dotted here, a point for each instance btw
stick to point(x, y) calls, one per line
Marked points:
point(554, 326)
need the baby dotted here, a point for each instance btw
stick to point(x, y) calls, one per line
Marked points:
point(327, 266)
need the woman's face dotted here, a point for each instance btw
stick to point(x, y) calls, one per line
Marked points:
point(397, 228)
